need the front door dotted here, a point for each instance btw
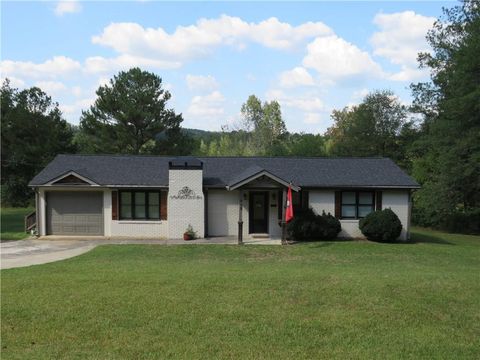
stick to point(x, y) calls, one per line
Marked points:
point(258, 212)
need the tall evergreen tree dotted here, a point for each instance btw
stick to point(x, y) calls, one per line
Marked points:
point(128, 116)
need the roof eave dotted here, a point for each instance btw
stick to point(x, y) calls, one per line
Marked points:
point(259, 174)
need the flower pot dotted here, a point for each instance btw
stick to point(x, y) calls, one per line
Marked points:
point(187, 237)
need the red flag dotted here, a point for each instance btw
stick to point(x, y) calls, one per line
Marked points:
point(289, 209)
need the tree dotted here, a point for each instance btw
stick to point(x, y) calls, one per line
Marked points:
point(371, 128)
point(449, 169)
point(128, 115)
point(252, 113)
point(306, 145)
point(265, 124)
point(33, 133)
point(273, 126)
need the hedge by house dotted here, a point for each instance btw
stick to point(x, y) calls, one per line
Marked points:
point(309, 226)
point(382, 225)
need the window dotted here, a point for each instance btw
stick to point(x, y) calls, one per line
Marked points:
point(140, 205)
point(299, 202)
point(357, 204)
point(296, 201)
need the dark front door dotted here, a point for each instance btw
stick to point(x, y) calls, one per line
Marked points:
point(258, 212)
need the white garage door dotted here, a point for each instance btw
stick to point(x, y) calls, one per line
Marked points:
point(75, 213)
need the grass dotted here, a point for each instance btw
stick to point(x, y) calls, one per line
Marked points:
point(320, 300)
point(12, 223)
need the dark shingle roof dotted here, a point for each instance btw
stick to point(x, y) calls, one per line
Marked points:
point(244, 174)
point(220, 171)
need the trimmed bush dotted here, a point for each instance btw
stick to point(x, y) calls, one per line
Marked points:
point(309, 226)
point(383, 226)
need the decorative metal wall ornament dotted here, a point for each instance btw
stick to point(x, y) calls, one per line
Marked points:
point(186, 193)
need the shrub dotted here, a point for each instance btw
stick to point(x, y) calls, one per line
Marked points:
point(467, 222)
point(190, 232)
point(308, 226)
point(382, 225)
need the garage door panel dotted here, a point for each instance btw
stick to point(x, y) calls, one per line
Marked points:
point(67, 218)
point(68, 229)
point(75, 213)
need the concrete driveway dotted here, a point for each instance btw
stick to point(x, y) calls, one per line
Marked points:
point(33, 252)
point(22, 253)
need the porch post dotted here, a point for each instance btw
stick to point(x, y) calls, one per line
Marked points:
point(240, 218)
point(284, 208)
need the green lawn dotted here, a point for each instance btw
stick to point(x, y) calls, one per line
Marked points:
point(13, 226)
point(321, 300)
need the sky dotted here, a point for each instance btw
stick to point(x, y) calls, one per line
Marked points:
point(312, 57)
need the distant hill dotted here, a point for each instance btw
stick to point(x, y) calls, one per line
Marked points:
point(204, 135)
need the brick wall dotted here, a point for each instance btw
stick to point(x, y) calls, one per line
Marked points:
point(185, 210)
point(147, 229)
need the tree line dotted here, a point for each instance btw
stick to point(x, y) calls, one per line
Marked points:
point(436, 140)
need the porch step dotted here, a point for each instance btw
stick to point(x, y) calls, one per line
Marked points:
point(260, 236)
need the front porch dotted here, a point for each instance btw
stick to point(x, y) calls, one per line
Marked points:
point(266, 194)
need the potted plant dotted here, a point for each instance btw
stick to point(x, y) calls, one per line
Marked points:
point(189, 233)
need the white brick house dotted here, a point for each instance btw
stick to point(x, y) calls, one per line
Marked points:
point(152, 196)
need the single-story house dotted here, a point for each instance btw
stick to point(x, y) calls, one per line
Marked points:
point(159, 196)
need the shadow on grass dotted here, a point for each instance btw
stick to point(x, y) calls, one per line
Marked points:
point(322, 243)
point(418, 238)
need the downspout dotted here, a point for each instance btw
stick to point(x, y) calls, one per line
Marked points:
point(240, 217)
point(37, 214)
point(410, 204)
point(205, 194)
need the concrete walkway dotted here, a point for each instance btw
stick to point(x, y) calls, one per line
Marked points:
point(29, 252)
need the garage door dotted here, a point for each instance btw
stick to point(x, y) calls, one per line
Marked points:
point(75, 213)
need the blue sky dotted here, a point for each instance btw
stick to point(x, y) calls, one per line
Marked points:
point(312, 57)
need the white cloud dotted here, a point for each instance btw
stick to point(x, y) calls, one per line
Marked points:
point(200, 39)
point(99, 64)
point(14, 82)
point(408, 73)
point(298, 76)
point(68, 6)
point(334, 58)
point(77, 106)
point(305, 102)
point(201, 83)
point(73, 111)
point(51, 87)
point(359, 95)
point(77, 91)
point(207, 106)
point(58, 65)
point(400, 39)
point(312, 118)
point(275, 34)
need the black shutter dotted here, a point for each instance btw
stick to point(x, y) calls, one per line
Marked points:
point(338, 204)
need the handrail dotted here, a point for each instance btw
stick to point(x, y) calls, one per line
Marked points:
point(30, 221)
